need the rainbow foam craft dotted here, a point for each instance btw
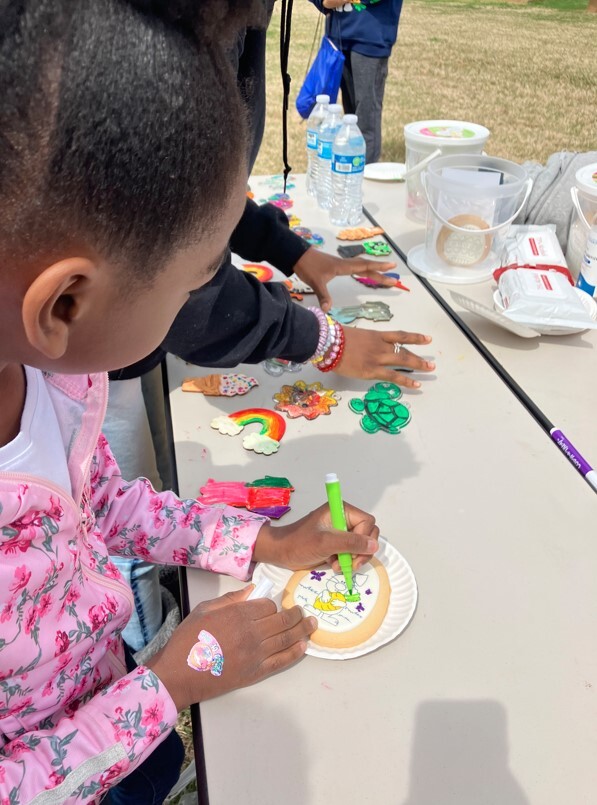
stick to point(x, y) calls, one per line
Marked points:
point(267, 441)
point(263, 273)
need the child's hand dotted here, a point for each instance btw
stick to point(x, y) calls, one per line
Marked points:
point(256, 641)
point(311, 541)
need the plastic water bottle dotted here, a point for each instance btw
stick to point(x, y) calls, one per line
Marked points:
point(348, 164)
point(325, 140)
point(313, 123)
point(587, 279)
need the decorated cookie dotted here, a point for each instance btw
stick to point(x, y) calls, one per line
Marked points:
point(322, 593)
point(381, 409)
point(305, 400)
point(266, 441)
point(360, 233)
point(220, 385)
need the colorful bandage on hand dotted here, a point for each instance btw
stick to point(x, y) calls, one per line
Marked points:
point(206, 654)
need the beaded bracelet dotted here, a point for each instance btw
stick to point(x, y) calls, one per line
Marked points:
point(334, 354)
point(325, 333)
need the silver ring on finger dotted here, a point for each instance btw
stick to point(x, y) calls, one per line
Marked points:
point(397, 348)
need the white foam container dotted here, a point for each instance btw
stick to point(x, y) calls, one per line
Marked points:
point(584, 215)
point(427, 139)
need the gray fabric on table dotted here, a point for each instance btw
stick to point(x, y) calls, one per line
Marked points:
point(549, 201)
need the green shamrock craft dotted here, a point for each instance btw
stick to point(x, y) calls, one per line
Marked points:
point(381, 409)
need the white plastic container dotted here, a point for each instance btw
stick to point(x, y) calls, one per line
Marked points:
point(472, 201)
point(427, 139)
point(587, 279)
point(584, 198)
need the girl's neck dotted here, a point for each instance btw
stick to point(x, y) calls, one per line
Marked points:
point(12, 399)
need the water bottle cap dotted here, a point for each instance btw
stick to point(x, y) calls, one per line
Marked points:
point(322, 99)
point(350, 119)
point(335, 108)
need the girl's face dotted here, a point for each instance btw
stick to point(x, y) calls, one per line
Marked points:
point(110, 328)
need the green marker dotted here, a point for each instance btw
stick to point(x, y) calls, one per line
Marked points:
point(332, 487)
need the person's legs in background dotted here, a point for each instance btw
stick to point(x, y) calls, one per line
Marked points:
point(368, 80)
point(127, 429)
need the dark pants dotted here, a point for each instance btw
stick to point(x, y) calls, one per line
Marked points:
point(151, 782)
point(363, 85)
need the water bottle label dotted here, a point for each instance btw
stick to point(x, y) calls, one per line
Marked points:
point(324, 149)
point(311, 139)
point(585, 286)
point(343, 163)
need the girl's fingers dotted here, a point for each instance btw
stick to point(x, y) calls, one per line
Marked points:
point(404, 357)
point(403, 337)
point(280, 622)
point(284, 659)
point(283, 641)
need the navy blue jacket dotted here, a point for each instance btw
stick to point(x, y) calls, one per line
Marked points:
point(370, 32)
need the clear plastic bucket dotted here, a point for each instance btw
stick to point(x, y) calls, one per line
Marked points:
point(471, 202)
point(584, 199)
point(427, 139)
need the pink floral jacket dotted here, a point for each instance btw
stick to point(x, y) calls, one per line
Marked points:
point(72, 721)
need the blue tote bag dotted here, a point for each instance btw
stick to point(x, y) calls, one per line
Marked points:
point(322, 79)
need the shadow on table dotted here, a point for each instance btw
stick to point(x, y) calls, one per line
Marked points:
point(491, 334)
point(261, 774)
point(367, 466)
point(460, 756)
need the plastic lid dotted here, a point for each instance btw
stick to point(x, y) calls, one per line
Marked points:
point(322, 99)
point(335, 108)
point(586, 179)
point(350, 119)
point(446, 131)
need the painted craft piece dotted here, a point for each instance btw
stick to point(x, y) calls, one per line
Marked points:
point(220, 385)
point(371, 283)
point(263, 273)
point(354, 250)
point(375, 311)
point(377, 248)
point(305, 400)
point(381, 409)
point(280, 200)
point(269, 496)
point(276, 182)
point(298, 286)
point(267, 441)
point(306, 234)
point(206, 654)
point(323, 594)
point(293, 220)
point(277, 366)
point(360, 233)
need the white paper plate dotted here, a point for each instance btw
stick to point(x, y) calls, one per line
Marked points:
point(588, 303)
point(454, 275)
point(403, 602)
point(385, 171)
point(497, 318)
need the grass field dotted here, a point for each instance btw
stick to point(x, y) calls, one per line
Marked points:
point(526, 70)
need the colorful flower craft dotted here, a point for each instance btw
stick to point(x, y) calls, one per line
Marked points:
point(309, 401)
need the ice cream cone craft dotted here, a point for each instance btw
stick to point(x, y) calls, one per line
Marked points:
point(220, 385)
point(360, 233)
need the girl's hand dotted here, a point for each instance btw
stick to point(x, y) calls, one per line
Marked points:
point(369, 354)
point(256, 641)
point(312, 541)
point(318, 268)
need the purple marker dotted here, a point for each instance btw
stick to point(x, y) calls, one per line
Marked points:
point(570, 451)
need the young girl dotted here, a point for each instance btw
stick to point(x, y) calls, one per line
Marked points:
point(120, 183)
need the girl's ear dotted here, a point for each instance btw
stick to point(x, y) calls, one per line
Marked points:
point(55, 302)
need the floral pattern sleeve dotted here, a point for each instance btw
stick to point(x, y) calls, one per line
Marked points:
point(85, 754)
point(160, 527)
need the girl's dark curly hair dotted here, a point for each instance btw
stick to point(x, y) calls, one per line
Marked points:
point(121, 128)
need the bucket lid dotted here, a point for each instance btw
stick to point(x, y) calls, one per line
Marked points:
point(586, 179)
point(445, 131)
